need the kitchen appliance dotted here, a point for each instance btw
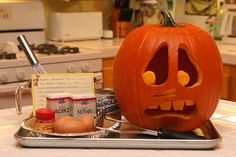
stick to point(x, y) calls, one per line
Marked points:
point(228, 26)
point(22, 16)
point(74, 26)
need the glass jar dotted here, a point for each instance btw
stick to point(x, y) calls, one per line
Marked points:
point(149, 11)
point(218, 21)
point(45, 119)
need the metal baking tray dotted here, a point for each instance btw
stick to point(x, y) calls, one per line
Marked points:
point(123, 140)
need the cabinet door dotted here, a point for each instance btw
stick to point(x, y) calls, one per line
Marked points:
point(229, 77)
point(107, 69)
point(225, 92)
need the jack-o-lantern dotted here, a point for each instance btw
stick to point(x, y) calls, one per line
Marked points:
point(168, 76)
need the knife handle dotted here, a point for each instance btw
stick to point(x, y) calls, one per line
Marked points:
point(166, 134)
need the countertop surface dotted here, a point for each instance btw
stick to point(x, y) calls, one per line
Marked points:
point(106, 48)
point(224, 119)
point(103, 48)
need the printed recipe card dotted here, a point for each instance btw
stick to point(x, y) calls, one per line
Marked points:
point(44, 84)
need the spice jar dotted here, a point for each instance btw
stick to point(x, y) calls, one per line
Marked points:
point(45, 119)
point(149, 9)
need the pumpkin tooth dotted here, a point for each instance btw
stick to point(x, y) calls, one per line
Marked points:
point(165, 106)
point(189, 102)
point(153, 107)
point(178, 105)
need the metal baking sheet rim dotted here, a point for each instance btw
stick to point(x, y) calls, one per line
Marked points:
point(116, 143)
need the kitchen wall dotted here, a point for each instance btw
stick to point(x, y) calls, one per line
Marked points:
point(78, 5)
point(106, 6)
point(81, 5)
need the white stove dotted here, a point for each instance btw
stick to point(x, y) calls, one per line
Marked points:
point(14, 72)
point(59, 57)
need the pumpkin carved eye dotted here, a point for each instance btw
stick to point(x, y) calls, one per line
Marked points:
point(159, 65)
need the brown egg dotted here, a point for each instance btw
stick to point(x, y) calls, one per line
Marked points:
point(65, 118)
point(62, 120)
point(58, 123)
point(88, 122)
point(68, 125)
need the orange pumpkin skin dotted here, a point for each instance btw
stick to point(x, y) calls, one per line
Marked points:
point(167, 50)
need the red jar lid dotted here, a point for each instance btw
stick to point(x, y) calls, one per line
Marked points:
point(45, 113)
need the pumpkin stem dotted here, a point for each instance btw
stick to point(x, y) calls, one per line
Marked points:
point(168, 21)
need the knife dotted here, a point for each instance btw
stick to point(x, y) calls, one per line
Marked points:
point(161, 134)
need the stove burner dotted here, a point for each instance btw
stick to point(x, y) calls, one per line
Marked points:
point(49, 49)
point(68, 49)
point(5, 55)
point(53, 49)
point(46, 49)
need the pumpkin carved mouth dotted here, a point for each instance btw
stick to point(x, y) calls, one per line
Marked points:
point(177, 108)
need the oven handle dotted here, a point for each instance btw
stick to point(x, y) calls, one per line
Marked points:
point(18, 95)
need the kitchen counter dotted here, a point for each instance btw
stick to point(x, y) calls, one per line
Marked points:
point(107, 48)
point(224, 120)
point(104, 48)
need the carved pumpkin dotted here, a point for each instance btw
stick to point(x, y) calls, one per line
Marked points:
point(168, 76)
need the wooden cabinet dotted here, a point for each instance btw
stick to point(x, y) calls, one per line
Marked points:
point(107, 69)
point(229, 82)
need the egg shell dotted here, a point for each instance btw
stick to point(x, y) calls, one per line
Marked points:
point(88, 122)
point(62, 120)
point(66, 118)
point(68, 125)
